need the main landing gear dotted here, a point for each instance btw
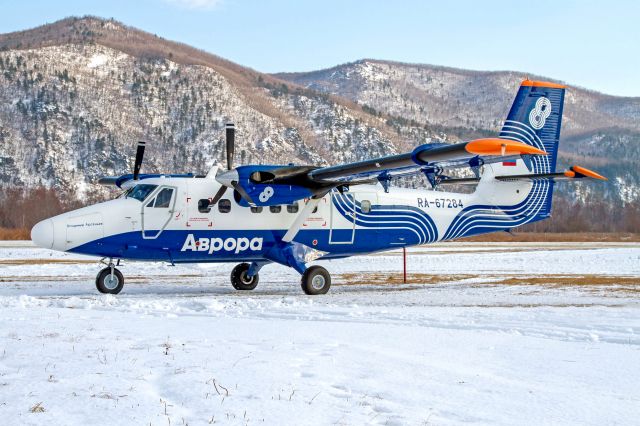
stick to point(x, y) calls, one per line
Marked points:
point(109, 280)
point(315, 279)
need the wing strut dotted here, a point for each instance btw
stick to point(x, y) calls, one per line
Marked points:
point(302, 216)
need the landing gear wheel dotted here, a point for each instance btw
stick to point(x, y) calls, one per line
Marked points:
point(315, 280)
point(107, 283)
point(240, 280)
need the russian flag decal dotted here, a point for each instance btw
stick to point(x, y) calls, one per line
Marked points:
point(509, 163)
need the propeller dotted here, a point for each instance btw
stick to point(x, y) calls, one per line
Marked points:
point(222, 178)
point(229, 178)
point(118, 180)
point(138, 162)
point(231, 144)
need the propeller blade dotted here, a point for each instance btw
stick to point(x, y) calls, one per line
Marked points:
point(139, 156)
point(240, 190)
point(218, 195)
point(231, 143)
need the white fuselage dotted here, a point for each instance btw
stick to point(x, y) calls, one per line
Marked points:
point(365, 219)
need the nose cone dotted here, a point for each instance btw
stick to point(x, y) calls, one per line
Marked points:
point(42, 234)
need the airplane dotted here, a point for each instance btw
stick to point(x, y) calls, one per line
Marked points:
point(294, 214)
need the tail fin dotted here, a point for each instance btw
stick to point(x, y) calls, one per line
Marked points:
point(535, 118)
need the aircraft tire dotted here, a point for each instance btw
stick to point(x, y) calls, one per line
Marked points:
point(315, 280)
point(104, 283)
point(239, 279)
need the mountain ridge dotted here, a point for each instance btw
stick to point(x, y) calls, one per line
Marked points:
point(525, 75)
point(351, 80)
point(76, 94)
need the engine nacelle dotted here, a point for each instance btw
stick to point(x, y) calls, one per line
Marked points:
point(256, 182)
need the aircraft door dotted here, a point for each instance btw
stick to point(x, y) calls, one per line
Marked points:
point(366, 232)
point(346, 208)
point(342, 218)
point(157, 212)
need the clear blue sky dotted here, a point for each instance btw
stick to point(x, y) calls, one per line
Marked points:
point(589, 43)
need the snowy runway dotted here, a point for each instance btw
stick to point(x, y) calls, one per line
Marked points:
point(483, 334)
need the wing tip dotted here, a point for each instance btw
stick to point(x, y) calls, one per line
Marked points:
point(501, 147)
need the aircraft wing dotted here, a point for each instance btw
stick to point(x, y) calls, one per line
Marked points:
point(290, 183)
point(429, 156)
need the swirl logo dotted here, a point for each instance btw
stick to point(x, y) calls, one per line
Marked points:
point(540, 112)
point(266, 194)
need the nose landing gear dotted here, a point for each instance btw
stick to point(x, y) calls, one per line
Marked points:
point(109, 280)
point(240, 279)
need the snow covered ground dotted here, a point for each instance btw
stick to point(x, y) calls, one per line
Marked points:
point(484, 334)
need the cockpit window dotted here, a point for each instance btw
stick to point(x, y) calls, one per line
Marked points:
point(164, 198)
point(140, 192)
point(126, 193)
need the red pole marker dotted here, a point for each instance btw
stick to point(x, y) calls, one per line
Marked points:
point(404, 265)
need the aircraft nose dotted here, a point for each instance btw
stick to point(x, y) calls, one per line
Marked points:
point(42, 234)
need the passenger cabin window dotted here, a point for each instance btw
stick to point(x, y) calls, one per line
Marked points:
point(256, 209)
point(224, 205)
point(292, 208)
point(164, 198)
point(203, 206)
point(275, 209)
point(366, 206)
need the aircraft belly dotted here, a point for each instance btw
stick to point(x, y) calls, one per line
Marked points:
point(186, 245)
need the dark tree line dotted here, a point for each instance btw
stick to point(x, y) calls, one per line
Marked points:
point(589, 216)
point(21, 209)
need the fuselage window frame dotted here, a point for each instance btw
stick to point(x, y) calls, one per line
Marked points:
point(224, 205)
point(204, 205)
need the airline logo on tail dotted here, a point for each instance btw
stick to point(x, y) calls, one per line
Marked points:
point(540, 112)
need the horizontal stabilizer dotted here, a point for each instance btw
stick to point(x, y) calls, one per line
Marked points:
point(574, 172)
